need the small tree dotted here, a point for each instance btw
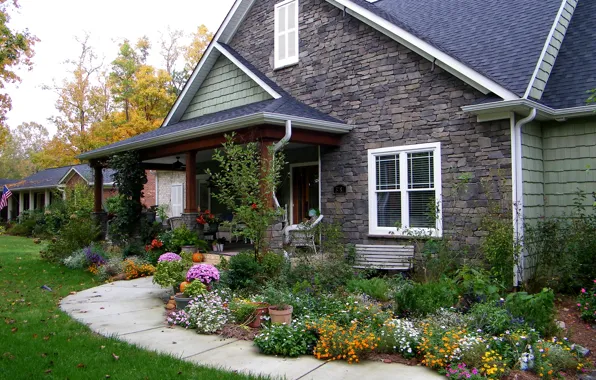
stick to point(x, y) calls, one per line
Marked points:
point(245, 183)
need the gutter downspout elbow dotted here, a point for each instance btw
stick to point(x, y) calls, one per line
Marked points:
point(518, 194)
point(278, 145)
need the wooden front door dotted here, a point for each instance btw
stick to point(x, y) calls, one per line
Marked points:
point(305, 192)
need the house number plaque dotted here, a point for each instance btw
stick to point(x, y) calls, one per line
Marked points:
point(339, 189)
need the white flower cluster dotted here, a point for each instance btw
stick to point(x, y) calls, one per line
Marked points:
point(467, 343)
point(405, 336)
point(207, 313)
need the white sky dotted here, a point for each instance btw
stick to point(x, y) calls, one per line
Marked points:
point(56, 23)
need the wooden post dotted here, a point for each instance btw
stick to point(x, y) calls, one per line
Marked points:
point(191, 182)
point(98, 189)
point(46, 198)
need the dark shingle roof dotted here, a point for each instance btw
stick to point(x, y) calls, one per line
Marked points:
point(51, 177)
point(574, 72)
point(501, 39)
point(285, 105)
point(6, 181)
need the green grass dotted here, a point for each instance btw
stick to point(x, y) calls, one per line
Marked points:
point(38, 340)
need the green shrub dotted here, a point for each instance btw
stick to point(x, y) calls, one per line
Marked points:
point(169, 273)
point(422, 299)
point(77, 234)
point(536, 310)
point(194, 289)
point(476, 286)
point(490, 317)
point(376, 288)
point(272, 264)
point(284, 340)
point(498, 248)
point(20, 230)
point(244, 271)
point(243, 311)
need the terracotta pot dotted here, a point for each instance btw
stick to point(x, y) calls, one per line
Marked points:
point(260, 311)
point(281, 316)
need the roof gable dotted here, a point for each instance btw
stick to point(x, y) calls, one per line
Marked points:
point(226, 86)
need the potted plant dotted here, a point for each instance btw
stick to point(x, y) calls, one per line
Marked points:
point(186, 239)
point(162, 214)
point(188, 291)
point(280, 309)
point(248, 312)
point(205, 273)
point(169, 271)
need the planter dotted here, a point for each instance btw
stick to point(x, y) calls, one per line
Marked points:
point(281, 316)
point(220, 247)
point(214, 246)
point(260, 311)
point(150, 215)
point(189, 249)
point(181, 301)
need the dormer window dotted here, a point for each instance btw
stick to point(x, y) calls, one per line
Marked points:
point(286, 33)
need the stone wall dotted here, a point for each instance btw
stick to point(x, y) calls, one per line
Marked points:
point(393, 97)
point(165, 179)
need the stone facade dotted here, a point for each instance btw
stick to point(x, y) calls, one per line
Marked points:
point(164, 180)
point(393, 97)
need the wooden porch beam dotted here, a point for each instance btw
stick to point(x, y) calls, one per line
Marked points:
point(158, 166)
point(242, 135)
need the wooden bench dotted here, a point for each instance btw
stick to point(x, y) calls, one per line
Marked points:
point(387, 257)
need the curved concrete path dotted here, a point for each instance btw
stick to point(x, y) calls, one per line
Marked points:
point(133, 311)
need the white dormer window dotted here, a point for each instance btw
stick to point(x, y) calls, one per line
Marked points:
point(286, 33)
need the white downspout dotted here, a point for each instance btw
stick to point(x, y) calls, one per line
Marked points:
point(518, 192)
point(277, 146)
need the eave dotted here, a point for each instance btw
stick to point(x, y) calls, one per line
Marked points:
point(500, 110)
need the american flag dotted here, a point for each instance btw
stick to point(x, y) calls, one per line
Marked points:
point(6, 193)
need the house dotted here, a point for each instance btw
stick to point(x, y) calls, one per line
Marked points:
point(39, 190)
point(401, 116)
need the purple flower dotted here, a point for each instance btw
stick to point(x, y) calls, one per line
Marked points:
point(202, 272)
point(94, 258)
point(169, 256)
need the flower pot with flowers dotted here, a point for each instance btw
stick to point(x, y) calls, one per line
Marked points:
point(154, 250)
point(207, 222)
point(170, 270)
point(189, 291)
point(203, 273)
point(280, 310)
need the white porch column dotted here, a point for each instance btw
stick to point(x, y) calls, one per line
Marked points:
point(47, 198)
point(9, 208)
point(31, 200)
point(21, 202)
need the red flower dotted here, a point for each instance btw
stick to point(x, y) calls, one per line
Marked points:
point(156, 243)
point(201, 220)
point(147, 248)
point(254, 206)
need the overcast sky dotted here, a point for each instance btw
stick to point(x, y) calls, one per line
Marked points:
point(56, 23)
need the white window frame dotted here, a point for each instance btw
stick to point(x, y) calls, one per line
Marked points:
point(405, 230)
point(288, 61)
point(172, 187)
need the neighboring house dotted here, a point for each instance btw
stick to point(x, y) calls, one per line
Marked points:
point(401, 115)
point(4, 211)
point(39, 190)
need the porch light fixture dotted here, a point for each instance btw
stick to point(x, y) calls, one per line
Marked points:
point(178, 165)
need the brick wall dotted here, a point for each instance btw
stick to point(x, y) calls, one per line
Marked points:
point(393, 97)
point(149, 189)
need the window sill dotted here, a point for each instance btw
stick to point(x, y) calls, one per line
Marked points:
point(395, 236)
point(285, 66)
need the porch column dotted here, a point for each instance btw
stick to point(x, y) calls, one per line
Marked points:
point(46, 198)
point(97, 189)
point(189, 217)
point(21, 202)
point(100, 216)
point(9, 208)
point(31, 200)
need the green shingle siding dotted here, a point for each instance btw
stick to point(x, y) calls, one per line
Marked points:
point(568, 163)
point(225, 87)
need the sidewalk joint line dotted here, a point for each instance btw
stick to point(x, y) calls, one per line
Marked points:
point(210, 349)
point(311, 371)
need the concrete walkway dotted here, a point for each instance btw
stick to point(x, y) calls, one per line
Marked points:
point(133, 311)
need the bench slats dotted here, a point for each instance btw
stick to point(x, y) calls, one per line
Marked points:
point(387, 257)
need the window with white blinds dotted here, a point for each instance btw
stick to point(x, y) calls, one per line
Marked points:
point(286, 33)
point(177, 199)
point(405, 189)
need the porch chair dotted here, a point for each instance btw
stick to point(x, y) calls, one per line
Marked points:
point(175, 222)
point(302, 235)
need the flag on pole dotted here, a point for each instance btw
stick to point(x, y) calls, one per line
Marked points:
point(6, 193)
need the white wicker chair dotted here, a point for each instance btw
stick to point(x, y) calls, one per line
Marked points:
point(302, 235)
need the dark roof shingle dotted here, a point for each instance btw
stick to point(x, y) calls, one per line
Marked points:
point(51, 177)
point(574, 72)
point(500, 39)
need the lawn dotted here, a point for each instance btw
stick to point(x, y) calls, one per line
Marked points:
point(38, 340)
